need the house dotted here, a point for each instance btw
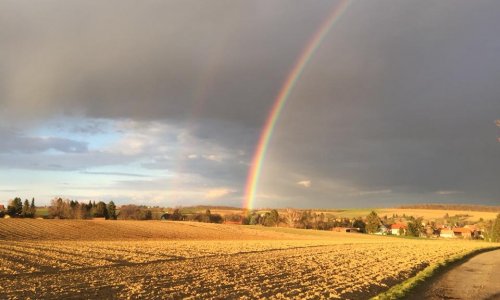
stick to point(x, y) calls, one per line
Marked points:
point(398, 228)
point(383, 230)
point(476, 232)
point(462, 232)
point(2, 207)
point(447, 233)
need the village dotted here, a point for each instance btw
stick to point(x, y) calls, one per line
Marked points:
point(458, 226)
point(430, 231)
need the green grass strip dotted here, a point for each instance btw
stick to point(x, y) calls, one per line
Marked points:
point(404, 289)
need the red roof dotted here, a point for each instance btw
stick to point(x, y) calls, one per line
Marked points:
point(462, 230)
point(398, 226)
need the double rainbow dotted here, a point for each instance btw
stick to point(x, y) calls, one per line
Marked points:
point(290, 82)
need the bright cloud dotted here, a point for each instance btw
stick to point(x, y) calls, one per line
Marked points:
point(375, 192)
point(217, 193)
point(305, 183)
point(445, 192)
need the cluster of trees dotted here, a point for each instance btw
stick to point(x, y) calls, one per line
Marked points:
point(206, 217)
point(70, 209)
point(234, 218)
point(18, 209)
point(311, 220)
point(134, 212)
point(415, 227)
point(269, 219)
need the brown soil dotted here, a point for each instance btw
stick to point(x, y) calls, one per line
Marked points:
point(478, 278)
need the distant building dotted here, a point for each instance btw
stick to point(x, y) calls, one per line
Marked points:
point(446, 233)
point(383, 230)
point(2, 207)
point(347, 229)
point(462, 232)
point(397, 228)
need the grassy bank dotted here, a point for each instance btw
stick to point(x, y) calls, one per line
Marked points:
point(411, 285)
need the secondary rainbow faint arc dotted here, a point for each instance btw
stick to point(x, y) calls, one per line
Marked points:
point(290, 82)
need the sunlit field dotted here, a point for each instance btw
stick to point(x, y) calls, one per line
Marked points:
point(155, 259)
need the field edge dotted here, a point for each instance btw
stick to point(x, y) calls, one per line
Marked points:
point(409, 286)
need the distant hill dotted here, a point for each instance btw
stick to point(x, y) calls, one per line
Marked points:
point(470, 207)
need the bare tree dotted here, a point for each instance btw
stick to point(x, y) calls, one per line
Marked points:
point(292, 217)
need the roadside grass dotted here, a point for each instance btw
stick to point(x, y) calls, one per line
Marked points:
point(408, 287)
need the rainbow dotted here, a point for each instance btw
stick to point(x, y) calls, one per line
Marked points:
point(290, 82)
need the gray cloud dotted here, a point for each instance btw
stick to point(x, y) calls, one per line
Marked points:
point(157, 60)
point(401, 96)
point(115, 174)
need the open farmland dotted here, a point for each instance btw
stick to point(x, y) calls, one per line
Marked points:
point(153, 259)
point(428, 214)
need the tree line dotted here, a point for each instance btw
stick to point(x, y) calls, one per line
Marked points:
point(70, 209)
point(17, 209)
point(206, 217)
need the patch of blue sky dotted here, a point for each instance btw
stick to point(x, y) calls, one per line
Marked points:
point(41, 184)
point(96, 133)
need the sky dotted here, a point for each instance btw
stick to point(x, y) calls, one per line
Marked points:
point(164, 102)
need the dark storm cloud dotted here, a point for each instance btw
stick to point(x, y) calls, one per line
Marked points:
point(410, 108)
point(223, 60)
point(228, 171)
point(398, 104)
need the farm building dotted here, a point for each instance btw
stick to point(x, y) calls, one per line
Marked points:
point(447, 233)
point(462, 232)
point(347, 229)
point(397, 228)
point(383, 230)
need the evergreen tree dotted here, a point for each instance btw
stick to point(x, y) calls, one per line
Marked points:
point(358, 223)
point(32, 208)
point(415, 228)
point(15, 207)
point(372, 222)
point(26, 209)
point(111, 210)
point(495, 230)
point(100, 210)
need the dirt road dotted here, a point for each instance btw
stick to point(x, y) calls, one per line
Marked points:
point(478, 278)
